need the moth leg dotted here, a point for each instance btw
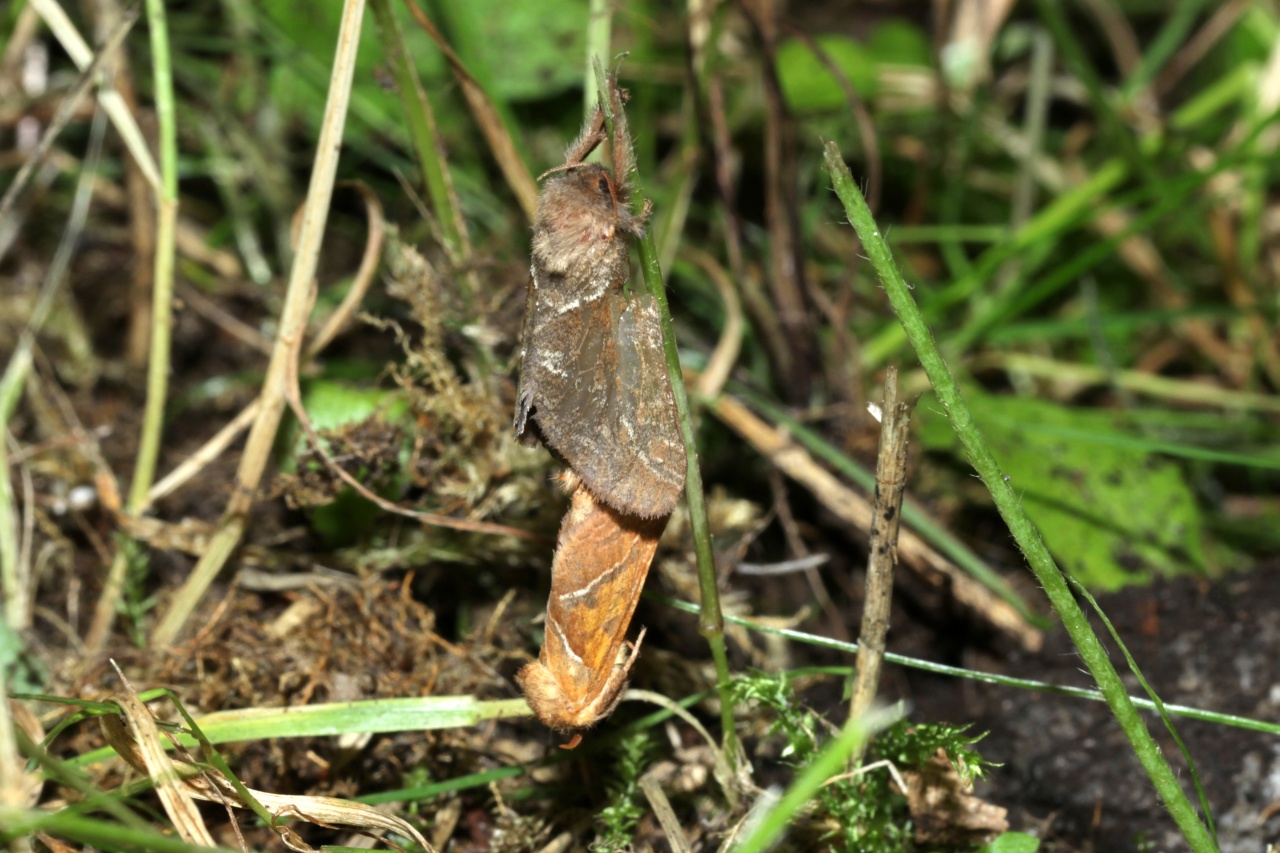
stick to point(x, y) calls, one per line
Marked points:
point(621, 151)
point(524, 405)
point(641, 219)
point(635, 650)
point(592, 135)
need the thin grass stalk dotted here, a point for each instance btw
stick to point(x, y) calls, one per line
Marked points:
point(109, 836)
point(491, 117)
point(710, 618)
point(118, 111)
point(144, 470)
point(1010, 508)
point(599, 43)
point(166, 237)
point(416, 108)
point(1156, 700)
point(293, 320)
point(1173, 35)
point(1051, 12)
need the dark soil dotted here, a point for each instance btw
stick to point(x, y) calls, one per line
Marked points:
point(1069, 776)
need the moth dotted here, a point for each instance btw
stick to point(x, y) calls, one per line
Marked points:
point(602, 558)
point(593, 378)
point(594, 388)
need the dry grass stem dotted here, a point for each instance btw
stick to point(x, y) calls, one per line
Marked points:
point(882, 555)
point(179, 783)
point(118, 111)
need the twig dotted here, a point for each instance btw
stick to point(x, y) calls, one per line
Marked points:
point(882, 556)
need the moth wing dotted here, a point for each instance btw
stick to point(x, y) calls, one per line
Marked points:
point(601, 561)
point(595, 382)
point(527, 391)
point(652, 471)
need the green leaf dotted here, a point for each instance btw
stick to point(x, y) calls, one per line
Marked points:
point(809, 86)
point(1110, 510)
point(1012, 842)
point(532, 49)
point(899, 43)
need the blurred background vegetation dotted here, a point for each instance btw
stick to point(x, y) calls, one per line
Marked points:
point(1081, 194)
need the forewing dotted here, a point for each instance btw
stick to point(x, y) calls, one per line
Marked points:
point(651, 473)
point(596, 384)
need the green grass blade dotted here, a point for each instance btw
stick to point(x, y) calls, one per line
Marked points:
point(1010, 507)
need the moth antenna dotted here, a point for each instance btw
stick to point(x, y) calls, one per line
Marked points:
point(563, 167)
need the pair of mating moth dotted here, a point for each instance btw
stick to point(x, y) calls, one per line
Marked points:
point(594, 389)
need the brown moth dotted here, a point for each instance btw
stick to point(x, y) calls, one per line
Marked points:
point(602, 558)
point(593, 379)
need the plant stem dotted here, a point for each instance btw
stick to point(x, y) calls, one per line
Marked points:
point(599, 35)
point(1007, 502)
point(882, 555)
point(416, 109)
point(710, 619)
point(144, 470)
point(166, 235)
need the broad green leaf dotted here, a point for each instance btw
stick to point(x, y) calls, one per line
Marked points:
point(1012, 842)
point(1112, 512)
point(531, 49)
point(899, 43)
point(809, 86)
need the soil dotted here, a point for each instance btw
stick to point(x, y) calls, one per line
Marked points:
point(1069, 776)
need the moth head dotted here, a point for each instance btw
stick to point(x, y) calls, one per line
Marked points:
point(580, 201)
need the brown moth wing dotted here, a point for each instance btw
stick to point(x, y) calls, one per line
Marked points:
point(595, 382)
point(602, 558)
